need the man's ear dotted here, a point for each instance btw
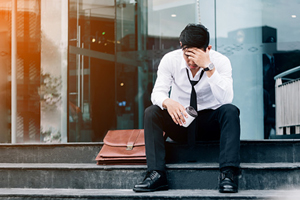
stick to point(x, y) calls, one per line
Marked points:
point(180, 44)
point(209, 47)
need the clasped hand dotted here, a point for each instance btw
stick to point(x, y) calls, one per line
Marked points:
point(176, 111)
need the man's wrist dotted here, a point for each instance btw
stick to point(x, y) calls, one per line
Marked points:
point(164, 103)
point(209, 67)
point(210, 72)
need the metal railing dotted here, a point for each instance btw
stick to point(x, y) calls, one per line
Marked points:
point(287, 99)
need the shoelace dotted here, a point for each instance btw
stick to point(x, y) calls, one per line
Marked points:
point(153, 175)
point(227, 174)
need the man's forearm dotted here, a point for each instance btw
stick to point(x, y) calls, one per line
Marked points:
point(210, 72)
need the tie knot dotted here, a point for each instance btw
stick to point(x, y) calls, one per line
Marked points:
point(193, 83)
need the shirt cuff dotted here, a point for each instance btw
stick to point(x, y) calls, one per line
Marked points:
point(160, 101)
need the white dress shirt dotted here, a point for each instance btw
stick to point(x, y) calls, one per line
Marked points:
point(212, 92)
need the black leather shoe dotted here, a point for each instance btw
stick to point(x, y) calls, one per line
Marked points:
point(153, 181)
point(229, 181)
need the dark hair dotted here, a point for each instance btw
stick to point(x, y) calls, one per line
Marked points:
point(194, 35)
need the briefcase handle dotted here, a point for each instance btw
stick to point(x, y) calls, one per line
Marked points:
point(132, 139)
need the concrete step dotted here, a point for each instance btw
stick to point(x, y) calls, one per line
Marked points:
point(106, 194)
point(252, 151)
point(256, 151)
point(255, 176)
point(50, 153)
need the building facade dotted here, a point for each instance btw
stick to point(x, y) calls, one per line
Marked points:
point(73, 69)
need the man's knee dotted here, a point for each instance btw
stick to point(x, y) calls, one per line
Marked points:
point(151, 112)
point(230, 109)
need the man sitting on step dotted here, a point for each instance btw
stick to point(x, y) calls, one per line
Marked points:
point(200, 77)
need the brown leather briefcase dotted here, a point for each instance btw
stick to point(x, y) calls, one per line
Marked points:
point(123, 147)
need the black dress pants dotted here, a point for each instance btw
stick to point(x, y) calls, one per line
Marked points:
point(222, 124)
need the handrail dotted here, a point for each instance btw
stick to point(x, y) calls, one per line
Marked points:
point(285, 73)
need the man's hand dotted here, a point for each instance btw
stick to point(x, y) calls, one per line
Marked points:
point(199, 56)
point(175, 110)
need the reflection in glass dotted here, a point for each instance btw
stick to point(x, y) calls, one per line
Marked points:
point(114, 52)
point(91, 70)
point(146, 30)
point(113, 56)
point(53, 86)
point(28, 70)
point(4, 73)
point(260, 45)
point(115, 47)
point(40, 63)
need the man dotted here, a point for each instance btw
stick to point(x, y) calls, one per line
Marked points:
point(211, 94)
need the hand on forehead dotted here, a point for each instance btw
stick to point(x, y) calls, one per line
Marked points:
point(192, 50)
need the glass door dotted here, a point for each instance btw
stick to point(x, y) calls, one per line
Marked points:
point(91, 69)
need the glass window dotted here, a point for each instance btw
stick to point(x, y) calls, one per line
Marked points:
point(146, 30)
point(83, 67)
point(5, 56)
point(166, 21)
point(91, 69)
point(53, 70)
point(38, 71)
point(28, 69)
point(261, 38)
point(114, 50)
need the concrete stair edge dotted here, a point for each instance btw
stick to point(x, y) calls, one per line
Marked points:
point(281, 141)
point(179, 166)
point(128, 193)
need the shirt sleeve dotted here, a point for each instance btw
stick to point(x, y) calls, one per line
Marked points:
point(163, 82)
point(221, 81)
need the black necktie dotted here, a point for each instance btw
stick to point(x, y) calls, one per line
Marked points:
point(192, 128)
